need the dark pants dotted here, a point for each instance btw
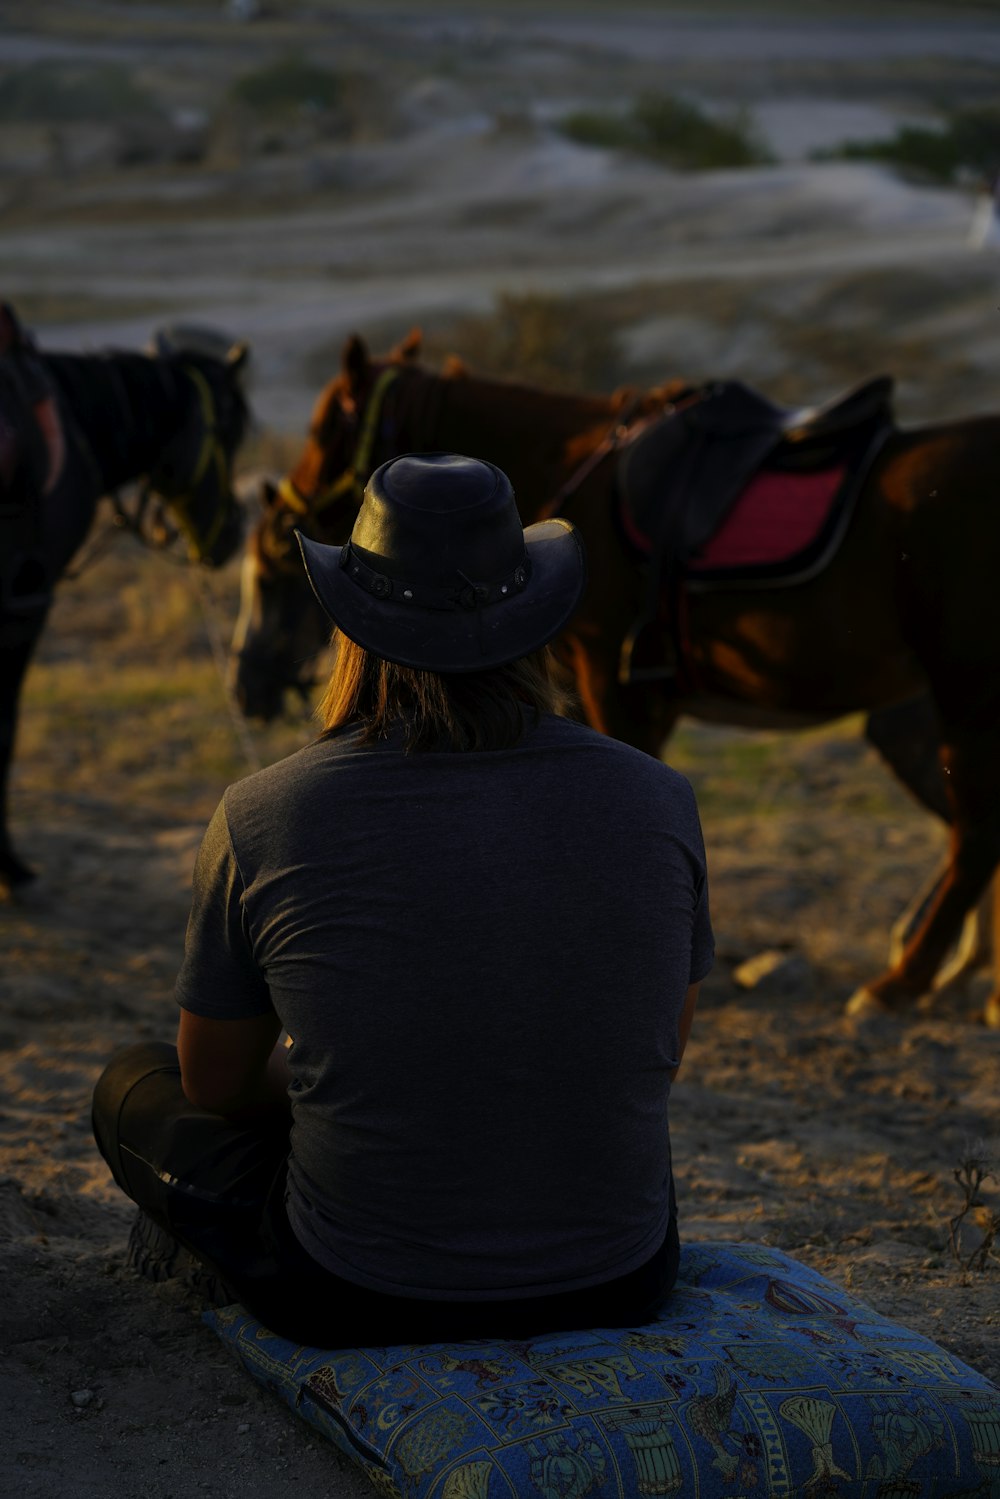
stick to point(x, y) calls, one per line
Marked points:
point(219, 1189)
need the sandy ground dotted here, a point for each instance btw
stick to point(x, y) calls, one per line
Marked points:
point(831, 1138)
point(795, 1126)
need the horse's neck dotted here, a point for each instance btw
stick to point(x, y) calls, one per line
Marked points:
point(124, 406)
point(535, 436)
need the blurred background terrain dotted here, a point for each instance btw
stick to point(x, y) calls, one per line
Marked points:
point(592, 193)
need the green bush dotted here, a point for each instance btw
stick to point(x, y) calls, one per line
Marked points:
point(671, 130)
point(970, 142)
point(681, 134)
point(44, 92)
point(592, 128)
point(289, 85)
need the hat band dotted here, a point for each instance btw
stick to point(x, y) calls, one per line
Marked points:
point(467, 594)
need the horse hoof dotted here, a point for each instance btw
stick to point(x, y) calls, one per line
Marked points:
point(865, 1002)
point(16, 879)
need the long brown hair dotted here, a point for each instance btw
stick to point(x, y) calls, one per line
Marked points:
point(485, 710)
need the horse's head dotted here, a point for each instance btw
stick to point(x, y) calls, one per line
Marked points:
point(193, 472)
point(362, 418)
point(365, 416)
point(281, 629)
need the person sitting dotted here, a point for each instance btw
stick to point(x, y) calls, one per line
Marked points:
point(482, 926)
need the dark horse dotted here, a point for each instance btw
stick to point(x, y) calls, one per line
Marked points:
point(908, 608)
point(76, 427)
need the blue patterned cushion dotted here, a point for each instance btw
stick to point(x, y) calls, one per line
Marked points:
point(759, 1378)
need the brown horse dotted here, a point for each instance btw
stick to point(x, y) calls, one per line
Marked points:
point(907, 609)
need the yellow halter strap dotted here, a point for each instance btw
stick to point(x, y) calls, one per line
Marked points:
point(211, 450)
point(354, 478)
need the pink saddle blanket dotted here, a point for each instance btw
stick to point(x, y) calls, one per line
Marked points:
point(777, 517)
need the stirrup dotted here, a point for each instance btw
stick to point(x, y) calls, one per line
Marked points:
point(630, 672)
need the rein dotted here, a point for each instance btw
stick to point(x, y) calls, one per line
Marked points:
point(610, 442)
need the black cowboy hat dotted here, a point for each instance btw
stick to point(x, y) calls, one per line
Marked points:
point(439, 574)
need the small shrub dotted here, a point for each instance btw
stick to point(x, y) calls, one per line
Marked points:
point(975, 1167)
point(44, 92)
point(290, 85)
point(920, 152)
point(681, 134)
point(610, 132)
point(970, 142)
point(671, 130)
point(542, 340)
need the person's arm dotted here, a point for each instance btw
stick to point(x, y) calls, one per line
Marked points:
point(684, 1026)
point(237, 1068)
point(228, 1028)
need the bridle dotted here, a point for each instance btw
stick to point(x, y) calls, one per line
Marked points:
point(153, 529)
point(211, 462)
point(350, 483)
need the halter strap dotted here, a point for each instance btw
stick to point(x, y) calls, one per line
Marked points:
point(210, 444)
point(354, 478)
point(211, 450)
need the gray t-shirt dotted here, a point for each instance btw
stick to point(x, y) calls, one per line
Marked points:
point(481, 958)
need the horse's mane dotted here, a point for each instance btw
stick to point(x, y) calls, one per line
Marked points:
point(117, 391)
point(454, 372)
point(89, 383)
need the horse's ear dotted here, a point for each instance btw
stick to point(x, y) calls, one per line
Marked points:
point(237, 356)
point(354, 361)
point(454, 368)
point(409, 347)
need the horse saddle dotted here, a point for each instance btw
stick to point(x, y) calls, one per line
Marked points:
point(681, 475)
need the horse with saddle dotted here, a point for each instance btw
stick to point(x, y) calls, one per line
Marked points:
point(750, 564)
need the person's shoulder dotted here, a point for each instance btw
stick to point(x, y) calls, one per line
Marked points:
point(610, 753)
point(620, 774)
point(288, 777)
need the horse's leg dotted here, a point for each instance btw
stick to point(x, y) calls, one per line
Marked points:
point(908, 737)
point(969, 759)
point(991, 1014)
point(975, 946)
point(17, 644)
point(638, 713)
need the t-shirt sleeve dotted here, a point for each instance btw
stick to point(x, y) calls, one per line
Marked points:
point(702, 938)
point(219, 976)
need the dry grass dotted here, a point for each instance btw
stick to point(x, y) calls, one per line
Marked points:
point(125, 690)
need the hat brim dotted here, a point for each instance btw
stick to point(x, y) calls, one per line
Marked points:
point(457, 640)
